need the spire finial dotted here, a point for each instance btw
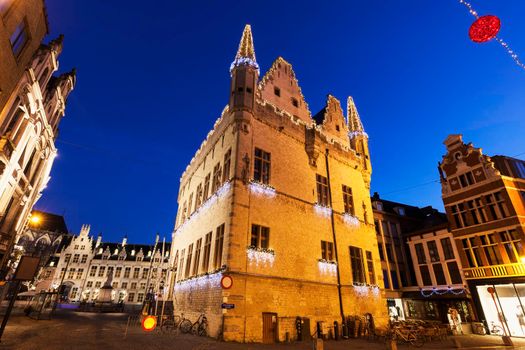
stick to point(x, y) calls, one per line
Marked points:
point(246, 52)
point(354, 121)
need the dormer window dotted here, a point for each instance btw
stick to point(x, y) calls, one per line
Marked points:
point(277, 91)
point(139, 258)
point(295, 103)
point(379, 206)
point(401, 211)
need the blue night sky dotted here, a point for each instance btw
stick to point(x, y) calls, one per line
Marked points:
point(153, 77)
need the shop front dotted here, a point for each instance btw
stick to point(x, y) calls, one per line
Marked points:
point(420, 306)
point(502, 304)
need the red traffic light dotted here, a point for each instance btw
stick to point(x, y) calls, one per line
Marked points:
point(149, 323)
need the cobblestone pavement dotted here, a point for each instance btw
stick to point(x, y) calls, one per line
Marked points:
point(70, 330)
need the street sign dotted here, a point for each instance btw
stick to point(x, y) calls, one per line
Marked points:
point(149, 323)
point(226, 282)
point(27, 268)
point(227, 306)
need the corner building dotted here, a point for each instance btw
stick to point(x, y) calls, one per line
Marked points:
point(278, 200)
point(485, 202)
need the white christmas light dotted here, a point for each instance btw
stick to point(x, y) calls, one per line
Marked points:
point(244, 61)
point(323, 210)
point(221, 192)
point(260, 256)
point(262, 189)
point(353, 134)
point(350, 220)
point(209, 281)
point(327, 267)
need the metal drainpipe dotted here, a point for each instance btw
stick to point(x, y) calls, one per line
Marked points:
point(335, 241)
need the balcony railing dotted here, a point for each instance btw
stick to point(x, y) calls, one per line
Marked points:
point(495, 271)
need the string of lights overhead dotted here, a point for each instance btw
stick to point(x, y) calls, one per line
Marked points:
point(486, 28)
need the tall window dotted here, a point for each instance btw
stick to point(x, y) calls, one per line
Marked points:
point(466, 179)
point(425, 275)
point(327, 250)
point(491, 250)
point(420, 253)
point(477, 212)
point(370, 265)
point(356, 262)
point(348, 200)
point(227, 163)
point(322, 190)
point(127, 271)
point(101, 271)
point(447, 248)
point(93, 271)
point(389, 254)
point(260, 236)
point(181, 263)
point(80, 272)
point(198, 197)
point(453, 270)
point(197, 257)
point(206, 191)
point(432, 251)
point(219, 241)
point(189, 261)
point(512, 243)
point(190, 202)
point(76, 258)
point(136, 272)
point(440, 275)
point(261, 166)
point(19, 38)
point(84, 259)
point(216, 183)
point(471, 249)
point(118, 272)
point(145, 273)
point(206, 254)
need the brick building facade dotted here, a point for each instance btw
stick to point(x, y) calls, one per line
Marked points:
point(278, 200)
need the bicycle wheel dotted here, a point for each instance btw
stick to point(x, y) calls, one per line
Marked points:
point(201, 330)
point(185, 326)
point(496, 330)
point(167, 326)
point(417, 341)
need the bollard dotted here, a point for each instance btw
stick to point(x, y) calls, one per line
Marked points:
point(456, 342)
point(318, 344)
point(391, 344)
point(287, 337)
point(507, 341)
point(336, 330)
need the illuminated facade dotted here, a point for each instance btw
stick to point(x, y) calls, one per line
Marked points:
point(484, 198)
point(33, 102)
point(84, 265)
point(279, 200)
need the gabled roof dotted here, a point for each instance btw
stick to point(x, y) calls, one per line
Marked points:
point(111, 247)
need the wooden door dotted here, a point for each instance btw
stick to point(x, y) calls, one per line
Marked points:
point(269, 327)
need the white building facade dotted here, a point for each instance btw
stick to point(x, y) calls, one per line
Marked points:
point(84, 265)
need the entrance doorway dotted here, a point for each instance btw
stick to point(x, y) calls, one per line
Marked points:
point(269, 327)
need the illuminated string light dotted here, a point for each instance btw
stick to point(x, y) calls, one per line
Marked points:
point(262, 189)
point(427, 293)
point(198, 282)
point(363, 289)
point(327, 267)
point(323, 210)
point(485, 28)
point(351, 220)
point(221, 192)
point(260, 256)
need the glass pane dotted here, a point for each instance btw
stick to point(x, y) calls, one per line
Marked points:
point(511, 308)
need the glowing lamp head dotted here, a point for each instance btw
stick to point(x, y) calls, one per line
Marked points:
point(484, 29)
point(149, 323)
point(35, 219)
point(523, 259)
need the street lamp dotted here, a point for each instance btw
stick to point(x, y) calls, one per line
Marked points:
point(35, 219)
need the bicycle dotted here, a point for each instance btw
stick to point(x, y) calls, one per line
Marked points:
point(200, 326)
point(495, 329)
point(172, 323)
point(406, 335)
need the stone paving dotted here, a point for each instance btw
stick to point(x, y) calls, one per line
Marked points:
point(70, 330)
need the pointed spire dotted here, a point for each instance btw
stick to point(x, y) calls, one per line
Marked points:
point(354, 121)
point(246, 52)
point(56, 44)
